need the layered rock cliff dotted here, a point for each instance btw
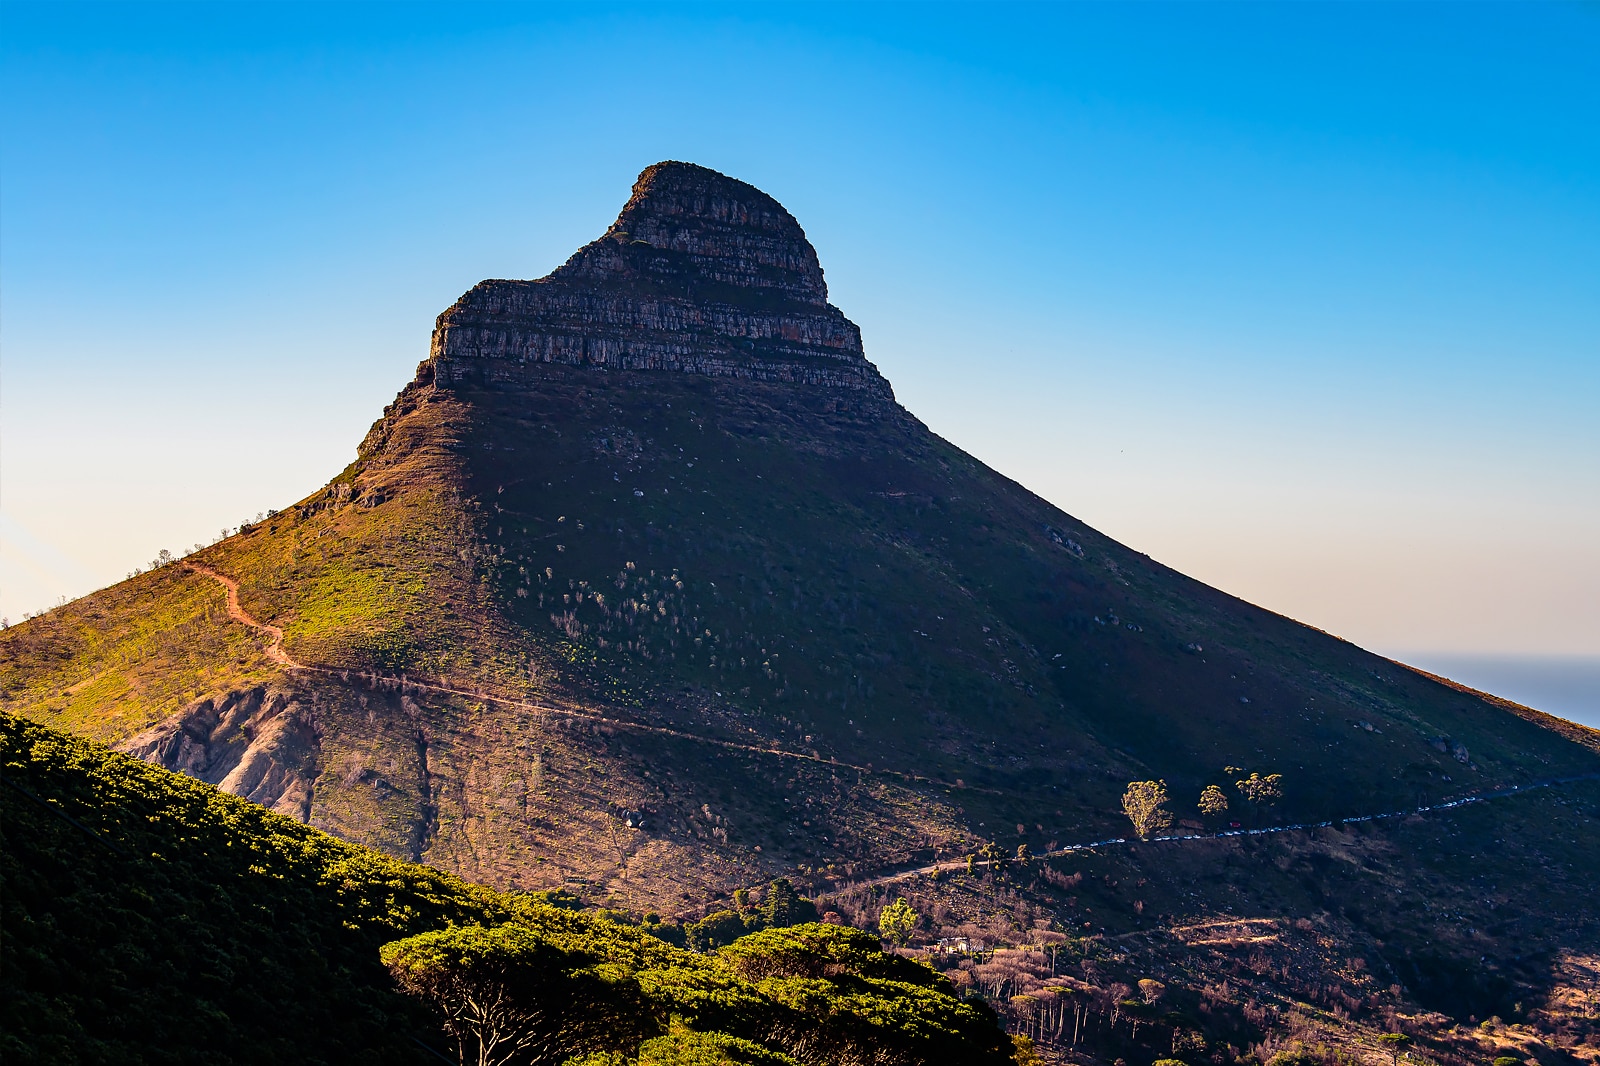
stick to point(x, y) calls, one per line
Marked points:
point(700, 273)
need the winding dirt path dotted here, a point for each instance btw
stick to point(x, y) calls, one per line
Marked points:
point(277, 654)
point(275, 650)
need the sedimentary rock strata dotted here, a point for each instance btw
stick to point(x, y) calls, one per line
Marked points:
point(700, 273)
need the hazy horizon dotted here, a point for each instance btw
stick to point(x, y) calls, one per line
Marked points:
point(1567, 686)
point(1297, 299)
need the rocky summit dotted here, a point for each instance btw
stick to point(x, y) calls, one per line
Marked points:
point(647, 589)
point(700, 273)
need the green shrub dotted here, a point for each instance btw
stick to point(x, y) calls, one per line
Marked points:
point(151, 918)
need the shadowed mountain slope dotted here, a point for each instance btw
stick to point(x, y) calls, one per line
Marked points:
point(646, 585)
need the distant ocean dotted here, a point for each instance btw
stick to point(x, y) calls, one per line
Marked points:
point(1567, 686)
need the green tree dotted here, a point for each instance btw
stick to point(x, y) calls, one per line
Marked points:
point(682, 1046)
point(1145, 805)
point(844, 999)
point(897, 922)
point(1260, 791)
point(1213, 801)
point(781, 907)
point(813, 952)
point(785, 907)
point(508, 993)
point(1024, 1053)
point(1024, 854)
point(992, 856)
point(715, 930)
point(972, 864)
point(1396, 1042)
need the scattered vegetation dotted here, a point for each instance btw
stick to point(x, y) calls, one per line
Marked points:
point(217, 931)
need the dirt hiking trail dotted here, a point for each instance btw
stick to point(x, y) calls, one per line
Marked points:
point(275, 650)
point(277, 654)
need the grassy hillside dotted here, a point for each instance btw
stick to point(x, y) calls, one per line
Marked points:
point(395, 588)
point(149, 918)
point(941, 658)
point(113, 664)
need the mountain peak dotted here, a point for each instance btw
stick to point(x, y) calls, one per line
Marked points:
point(728, 230)
point(700, 273)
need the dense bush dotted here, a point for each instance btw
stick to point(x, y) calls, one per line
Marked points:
point(781, 907)
point(151, 918)
point(814, 993)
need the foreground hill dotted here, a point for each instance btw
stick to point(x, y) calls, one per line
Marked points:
point(149, 918)
point(645, 586)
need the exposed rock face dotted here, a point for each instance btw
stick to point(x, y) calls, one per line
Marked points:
point(700, 273)
point(259, 744)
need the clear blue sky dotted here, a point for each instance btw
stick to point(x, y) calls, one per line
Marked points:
point(1303, 300)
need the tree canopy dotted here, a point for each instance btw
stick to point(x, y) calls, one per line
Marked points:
point(1145, 805)
point(508, 993)
point(897, 922)
point(811, 993)
point(1213, 801)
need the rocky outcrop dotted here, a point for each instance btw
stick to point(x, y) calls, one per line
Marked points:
point(700, 274)
point(258, 743)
